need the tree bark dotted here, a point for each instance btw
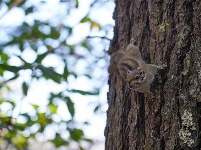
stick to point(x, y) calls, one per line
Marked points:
point(167, 32)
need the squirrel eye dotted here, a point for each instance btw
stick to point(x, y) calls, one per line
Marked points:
point(137, 77)
point(141, 73)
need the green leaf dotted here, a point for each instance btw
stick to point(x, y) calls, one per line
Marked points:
point(85, 19)
point(84, 92)
point(95, 24)
point(2, 101)
point(86, 45)
point(29, 10)
point(53, 96)
point(27, 116)
point(41, 57)
point(54, 33)
point(53, 108)
point(59, 141)
point(4, 57)
point(8, 3)
point(10, 68)
point(76, 3)
point(81, 148)
point(88, 140)
point(66, 73)
point(88, 76)
point(25, 88)
point(86, 123)
point(11, 102)
point(20, 141)
point(35, 106)
point(69, 29)
point(14, 41)
point(21, 45)
point(14, 68)
point(49, 73)
point(76, 134)
point(70, 106)
point(1, 72)
point(21, 126)
point(96, 108)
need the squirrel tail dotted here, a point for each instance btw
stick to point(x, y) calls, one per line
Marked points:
point(114, 61)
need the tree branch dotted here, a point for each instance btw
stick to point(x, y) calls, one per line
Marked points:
point(102, 37)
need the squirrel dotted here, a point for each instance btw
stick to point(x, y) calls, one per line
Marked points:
point(141, 78)
point(131, 60)
point(133, 69)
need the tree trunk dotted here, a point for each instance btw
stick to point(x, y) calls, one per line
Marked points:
point(167, 32)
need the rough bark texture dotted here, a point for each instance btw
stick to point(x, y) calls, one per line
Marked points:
point(167, 32)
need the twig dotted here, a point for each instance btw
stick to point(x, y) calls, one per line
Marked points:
point(102, 37)
point(15, 3)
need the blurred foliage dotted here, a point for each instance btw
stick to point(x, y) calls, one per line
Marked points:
point(17, 128)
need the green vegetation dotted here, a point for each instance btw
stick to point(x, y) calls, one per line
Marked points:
point(26, 48)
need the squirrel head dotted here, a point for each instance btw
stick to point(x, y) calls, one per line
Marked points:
point(135, 77)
